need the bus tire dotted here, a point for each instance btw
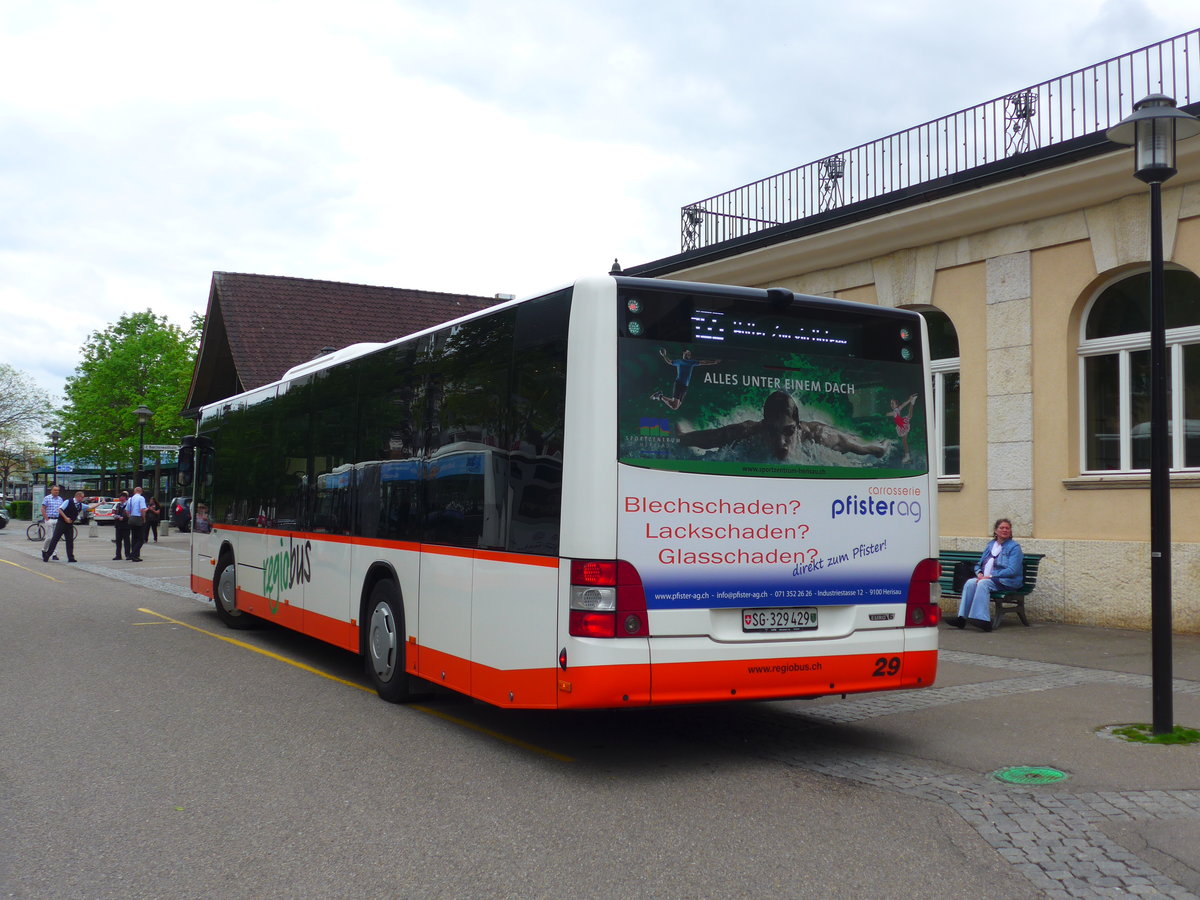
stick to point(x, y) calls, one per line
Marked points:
point(384, 644)
point(225, 594)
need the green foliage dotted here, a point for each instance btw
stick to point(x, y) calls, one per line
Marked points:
point(141, 360)
point(19, 456)
point(20, 511)
point(1144, 734)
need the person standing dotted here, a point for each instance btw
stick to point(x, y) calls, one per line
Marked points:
point(153, 515)
point(121, 526)
point(64, 528)
point(1001, 567)
point(137, 523)
point(51, 504)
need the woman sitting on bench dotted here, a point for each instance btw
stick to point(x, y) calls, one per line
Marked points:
point(1001, 567)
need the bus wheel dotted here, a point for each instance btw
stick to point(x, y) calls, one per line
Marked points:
point(385, 644)
point(224, 594)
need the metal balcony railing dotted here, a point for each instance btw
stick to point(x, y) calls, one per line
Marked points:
point(1071, 106)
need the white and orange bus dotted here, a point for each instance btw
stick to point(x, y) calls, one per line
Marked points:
point(626, 492)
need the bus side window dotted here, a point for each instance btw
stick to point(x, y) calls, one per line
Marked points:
point(467, 399)
point(539, 395)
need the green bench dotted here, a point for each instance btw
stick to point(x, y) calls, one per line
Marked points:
point(1002, 601)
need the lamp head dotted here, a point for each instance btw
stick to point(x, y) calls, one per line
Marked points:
point(1152, 130)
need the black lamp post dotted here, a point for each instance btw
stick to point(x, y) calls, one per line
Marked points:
point(1152, 130)
point(55, 437)
point(143, 414)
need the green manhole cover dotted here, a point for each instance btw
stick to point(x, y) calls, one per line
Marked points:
point(1029, 775)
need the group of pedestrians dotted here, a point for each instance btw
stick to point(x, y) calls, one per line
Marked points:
point(134, 518)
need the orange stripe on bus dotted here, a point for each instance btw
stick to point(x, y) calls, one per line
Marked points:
point(332, 631)
point(525, 559)
point(597, 687)
point(384, 543)
point(521, 559)
point(445, 669)
point(518, 688)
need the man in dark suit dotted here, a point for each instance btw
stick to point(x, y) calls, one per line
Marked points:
point(121, 525)
point(67, 514)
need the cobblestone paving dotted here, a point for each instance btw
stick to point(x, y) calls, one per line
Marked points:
point(1054, 838)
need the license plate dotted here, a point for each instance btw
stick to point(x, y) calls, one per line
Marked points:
point(784, 618)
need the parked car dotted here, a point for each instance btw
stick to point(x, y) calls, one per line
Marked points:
point(103, 514)
point(89, 507)
point(180, 512)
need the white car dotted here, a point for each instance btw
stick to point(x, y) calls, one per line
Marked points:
point(103, 514)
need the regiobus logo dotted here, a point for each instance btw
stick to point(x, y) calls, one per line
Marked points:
point(284, 570)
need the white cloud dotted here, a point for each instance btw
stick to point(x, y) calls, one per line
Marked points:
point(458, 145)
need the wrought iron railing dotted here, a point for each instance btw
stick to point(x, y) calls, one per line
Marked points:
point(1071, 106)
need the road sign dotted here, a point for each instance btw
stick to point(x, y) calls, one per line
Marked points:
point(161, 447)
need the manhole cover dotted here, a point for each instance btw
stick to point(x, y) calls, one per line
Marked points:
point(1029, 775)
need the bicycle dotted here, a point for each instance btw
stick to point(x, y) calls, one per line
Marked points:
point(37, 532)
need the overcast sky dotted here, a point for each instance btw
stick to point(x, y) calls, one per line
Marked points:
point(477, 147)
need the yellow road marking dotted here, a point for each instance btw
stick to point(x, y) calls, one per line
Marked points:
point(508, 739)
point(32, 571)
point(267, 653)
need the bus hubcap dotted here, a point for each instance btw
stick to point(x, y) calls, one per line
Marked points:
point(383, 641)
point(225, 590)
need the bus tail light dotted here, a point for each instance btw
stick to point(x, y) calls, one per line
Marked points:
point(924, 592)
point(607, 600)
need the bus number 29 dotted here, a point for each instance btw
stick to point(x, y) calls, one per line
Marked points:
point(886, 666)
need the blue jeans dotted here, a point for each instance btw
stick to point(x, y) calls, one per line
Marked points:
point(977, 599)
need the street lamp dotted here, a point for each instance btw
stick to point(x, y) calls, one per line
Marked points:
point(1152, 130)
point(143, 414)
point(55, 437)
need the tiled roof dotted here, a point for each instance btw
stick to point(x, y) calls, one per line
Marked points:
point(259, 326)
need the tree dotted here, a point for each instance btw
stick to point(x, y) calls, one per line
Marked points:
point(19, 456)
point(23, 406)
point(23, 409)
point(141, 360)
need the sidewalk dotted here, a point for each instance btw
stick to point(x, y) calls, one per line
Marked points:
point(165, 565)
point(1047, 696)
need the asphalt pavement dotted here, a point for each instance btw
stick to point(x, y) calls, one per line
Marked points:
point(1015, 737)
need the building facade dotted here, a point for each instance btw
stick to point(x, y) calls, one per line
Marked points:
point(1036, 290)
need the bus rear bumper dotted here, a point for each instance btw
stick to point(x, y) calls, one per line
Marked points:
point(699, 670)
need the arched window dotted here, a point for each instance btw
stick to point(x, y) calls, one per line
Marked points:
point(1114, 368)
point(943, 350)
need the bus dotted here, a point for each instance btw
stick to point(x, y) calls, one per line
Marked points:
point(626, 492)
